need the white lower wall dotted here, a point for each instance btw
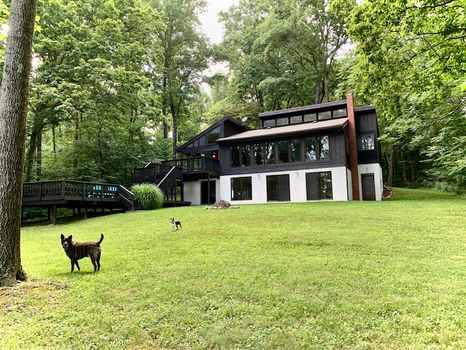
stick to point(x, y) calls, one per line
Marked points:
point(375, 169)
point(297, 185)
point(192, 191)
point(349, 184)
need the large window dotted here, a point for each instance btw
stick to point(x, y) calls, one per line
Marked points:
point(270, 153)
point(323, 147)
point(258, 154)
point(310, 148)
point(283, 152)
point(278, 188)
point(246, 155)
point(213, 135)
point(295, 151)
point(241, 188)
point(316, 148)
point(240, 156)
point(235, 156)
point(319, 186)
point(366, 142)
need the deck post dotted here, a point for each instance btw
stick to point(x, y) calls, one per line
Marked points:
point(48, 214)
point(54, 215)
point(63, 189)
point(208, 188)
point(85, 213)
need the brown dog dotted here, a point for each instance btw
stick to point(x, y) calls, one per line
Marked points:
point(77, 251)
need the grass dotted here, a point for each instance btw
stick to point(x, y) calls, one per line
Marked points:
point(359, 275)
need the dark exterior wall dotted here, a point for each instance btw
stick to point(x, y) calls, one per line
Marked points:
point(337, 156)
point(230, 129)
point(226, 128)
point(366, 123)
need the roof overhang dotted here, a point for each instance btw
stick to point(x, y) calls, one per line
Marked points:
point(288, 130)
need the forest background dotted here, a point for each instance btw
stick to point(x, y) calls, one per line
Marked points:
point(118, 83)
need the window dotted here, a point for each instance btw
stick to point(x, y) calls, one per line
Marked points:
point(240, 156)
point(269, 123)
point(323, 148)
point(241, 188)
point(270, 153)
point(316, 148)
point(338, 113)
point(312, 117)
point(213, 135)
point(235, 156)
point(295, 151)
point(202, 141)
point(325, 115)
point(310, 149)
point(282, 121)
point(283, 155)
point(296, 119)
point(258, 154)
point(278, 188)
point(196, 143)
point(319, 186)
point(366, 142)
point(246, 155)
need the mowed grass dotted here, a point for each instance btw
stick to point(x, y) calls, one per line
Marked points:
point(357, 275)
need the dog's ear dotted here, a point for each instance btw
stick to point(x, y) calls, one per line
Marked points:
point(70, 237)
point(62, 237)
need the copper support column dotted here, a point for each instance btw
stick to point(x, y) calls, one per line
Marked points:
point(353, 147)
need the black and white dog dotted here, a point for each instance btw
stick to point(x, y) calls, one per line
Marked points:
point(175, 224)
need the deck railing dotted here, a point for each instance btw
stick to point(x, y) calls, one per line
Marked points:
point(194, 164)
point(74, 190)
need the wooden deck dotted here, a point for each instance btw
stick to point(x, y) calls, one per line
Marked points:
point(76, 194)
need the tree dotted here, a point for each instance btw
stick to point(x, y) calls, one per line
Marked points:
point(410, 63)
point(13, 111)
point(91, 96)
point(282, 54)
point(185, 56)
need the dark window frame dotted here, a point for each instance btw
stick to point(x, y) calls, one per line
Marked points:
point(360, 144)
point(320, 175)
point(241, 180)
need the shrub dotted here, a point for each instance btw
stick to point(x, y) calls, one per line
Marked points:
point(148, 196)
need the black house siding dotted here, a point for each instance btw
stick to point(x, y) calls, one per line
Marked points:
point(337, 157)
point(366, 123)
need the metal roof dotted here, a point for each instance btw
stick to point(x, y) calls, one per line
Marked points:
point(286, 130)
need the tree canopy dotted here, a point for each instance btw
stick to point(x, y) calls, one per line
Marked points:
point(117, 83)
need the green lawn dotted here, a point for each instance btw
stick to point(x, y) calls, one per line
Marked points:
point(357, 275)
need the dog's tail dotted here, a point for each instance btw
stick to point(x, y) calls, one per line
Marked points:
point(100, 240)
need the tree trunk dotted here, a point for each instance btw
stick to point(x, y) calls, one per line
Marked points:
point(39, 156)
point(13, 111)
point(391, 167)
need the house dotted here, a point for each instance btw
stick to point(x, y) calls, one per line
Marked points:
point(326, 151)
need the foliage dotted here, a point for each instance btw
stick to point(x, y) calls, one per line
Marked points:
point(90, 98)
point(410, 63)
point(185, 55)
point(282, 54)
point(387, 275)
point(148, 196)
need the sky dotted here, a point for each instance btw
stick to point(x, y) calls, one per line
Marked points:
point(211, 26)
